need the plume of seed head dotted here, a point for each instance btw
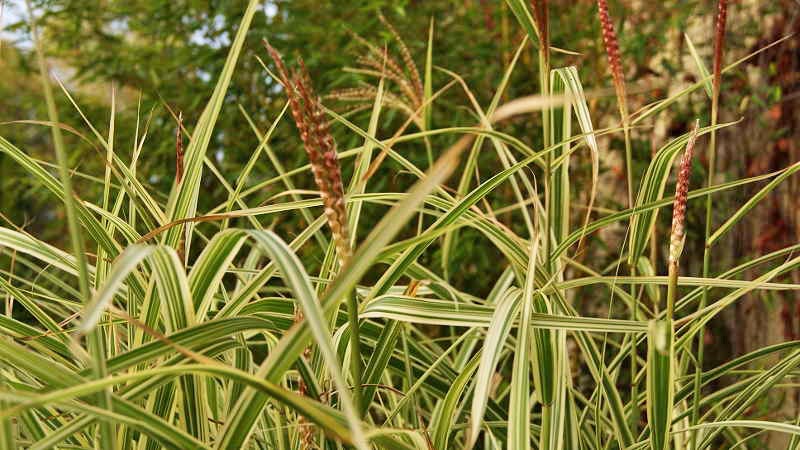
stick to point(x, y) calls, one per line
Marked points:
point(311, 121)
point(379, 54)
point(719, 41)
point(406, 55)
point(360, 93)
point(614, 59)
point(387, 71)
point(679, 205)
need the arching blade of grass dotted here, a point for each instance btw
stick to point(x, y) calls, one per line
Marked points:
point(653, 205)
point(296, 278)
point(565, 81)
point(444, 416)
point(519, 408)
point(57, 376)
point(123, 266)
point(211, 266)
point(660, 105)
point(234, 197)
point(472, 159)
point(498, 330)
point(96, 339)
point(422, 379)
point(323, 415)
point(751, 203)
point(701, 66)
point(442, 312)
point(697, 320)
point(92, 226)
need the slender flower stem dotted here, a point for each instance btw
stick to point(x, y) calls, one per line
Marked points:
point(312, 122)
point(611, 44)
point(719, 40)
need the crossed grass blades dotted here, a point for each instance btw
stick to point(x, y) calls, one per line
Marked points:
point(151, 331)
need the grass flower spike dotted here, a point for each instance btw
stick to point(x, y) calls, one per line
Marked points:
point(310, 119)
point(614, 60)
point(678, 234)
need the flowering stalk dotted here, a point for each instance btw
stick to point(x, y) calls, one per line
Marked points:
point(719, 41)
point(678, 234)
point(716, 81)
point(311, 121)
point(611, 45)
point(660, 370)
point(614, 60)
point(320, 147)
point(408, 61)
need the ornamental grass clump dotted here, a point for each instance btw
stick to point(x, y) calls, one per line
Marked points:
point(469, 316)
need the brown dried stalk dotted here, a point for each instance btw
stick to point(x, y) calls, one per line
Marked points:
point(540, 17)
point(614, 59)
point(179, 154)
point(311, 121)
point(719, 40)
point(309, 116)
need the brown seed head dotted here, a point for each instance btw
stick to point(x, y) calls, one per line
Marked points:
point(679, 205)
point(311, 121)
point(614, 59)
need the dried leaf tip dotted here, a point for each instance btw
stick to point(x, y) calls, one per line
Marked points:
point(309, 116)
point(719, 42)
point(678, 234)
point(614, 60)
point(179, 150)
point(540, 18)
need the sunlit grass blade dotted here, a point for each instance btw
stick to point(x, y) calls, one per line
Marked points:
point(498, 331)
